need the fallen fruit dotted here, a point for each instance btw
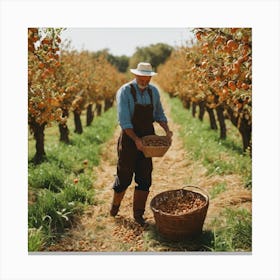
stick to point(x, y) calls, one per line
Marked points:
point(181, 205)
point(155, 142)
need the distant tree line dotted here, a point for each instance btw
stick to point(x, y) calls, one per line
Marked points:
point(156, 54)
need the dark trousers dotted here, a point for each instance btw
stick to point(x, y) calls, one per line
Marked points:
point(132, 162)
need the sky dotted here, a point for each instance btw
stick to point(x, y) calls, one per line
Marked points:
point(123, 41)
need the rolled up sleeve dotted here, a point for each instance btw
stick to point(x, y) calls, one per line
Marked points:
point(124, 116)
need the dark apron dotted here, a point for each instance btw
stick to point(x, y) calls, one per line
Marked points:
point(130, 159)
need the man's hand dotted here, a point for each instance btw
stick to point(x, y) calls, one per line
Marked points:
point(169, 133)
point(139, 144)
point(138, 141)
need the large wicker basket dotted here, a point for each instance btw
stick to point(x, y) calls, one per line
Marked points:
point(155, 150)
point(179, 227)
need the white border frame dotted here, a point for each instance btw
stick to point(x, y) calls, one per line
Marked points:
point(17, 16)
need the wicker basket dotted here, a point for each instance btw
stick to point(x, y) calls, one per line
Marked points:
point(178, 227)
point(151, 150)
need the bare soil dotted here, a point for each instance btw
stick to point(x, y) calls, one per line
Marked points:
point(97, 231)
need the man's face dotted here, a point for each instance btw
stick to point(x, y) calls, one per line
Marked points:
point(143, 81)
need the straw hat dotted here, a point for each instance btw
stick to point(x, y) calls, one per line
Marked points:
point(143, 69)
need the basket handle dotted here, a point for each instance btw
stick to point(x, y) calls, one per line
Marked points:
point(197, 188)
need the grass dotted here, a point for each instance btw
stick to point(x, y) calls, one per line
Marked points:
point(217, 189)
point(63, 185)
point(46, 175)
point(236, 234)
point(36, 239)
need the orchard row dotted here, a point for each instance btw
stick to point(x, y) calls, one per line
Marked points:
point(61, 81)
point(215, 75)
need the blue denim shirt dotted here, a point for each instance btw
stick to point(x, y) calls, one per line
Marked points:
point(125, 104)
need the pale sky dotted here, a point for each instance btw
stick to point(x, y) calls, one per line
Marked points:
point(123, 41)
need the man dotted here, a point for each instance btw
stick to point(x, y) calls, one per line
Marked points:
point(138, 105)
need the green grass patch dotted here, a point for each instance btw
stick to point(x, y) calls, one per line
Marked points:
point(217, 189)
point(232, 231)
point(203, 144)
point(36, 239)
point(52, 212)
point(46, 175)
point(63, 184)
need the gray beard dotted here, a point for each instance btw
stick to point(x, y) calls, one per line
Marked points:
point(142, 87)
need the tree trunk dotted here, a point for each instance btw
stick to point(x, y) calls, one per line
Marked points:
point(98, 109)
point(108, 104)
point(90, 115)
point(186, 103)
point(39, 136)
point(194, 109)
point(201, 105)
point(78, 123)
point(246, 133)
point(63, 129)
point(212, 118)
point(221, 119)
point(244, 128)
point(64, 133)
point(233, 119)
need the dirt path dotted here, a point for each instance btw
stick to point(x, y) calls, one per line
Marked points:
point(97, 231)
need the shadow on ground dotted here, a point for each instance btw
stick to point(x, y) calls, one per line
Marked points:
point(154, 242)
point(203, 242)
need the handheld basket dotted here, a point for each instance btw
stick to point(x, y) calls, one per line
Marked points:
point(155, 145)
point(186, 218)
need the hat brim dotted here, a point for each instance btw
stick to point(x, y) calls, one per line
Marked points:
point(143, 73)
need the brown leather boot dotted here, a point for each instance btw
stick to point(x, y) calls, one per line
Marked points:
point(139, 203)
point(116, 203)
